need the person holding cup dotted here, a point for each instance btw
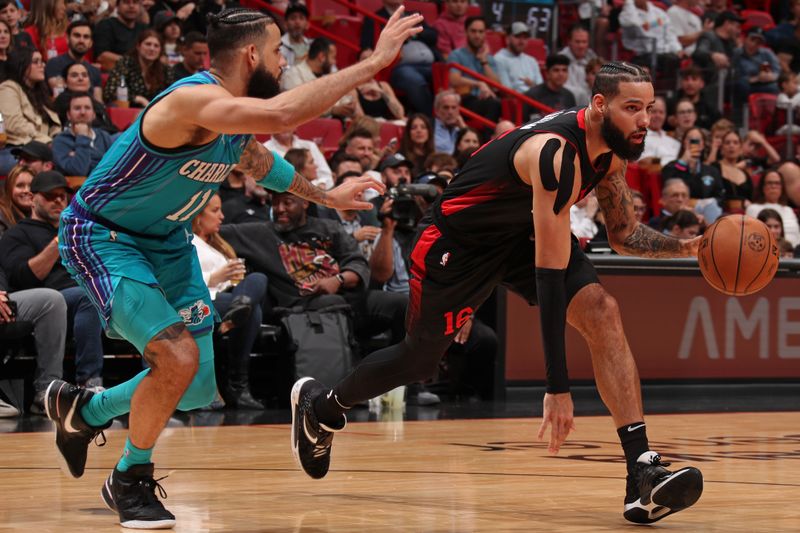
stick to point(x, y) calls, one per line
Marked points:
point(237, 297)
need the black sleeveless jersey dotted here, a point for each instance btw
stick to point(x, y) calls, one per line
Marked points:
point(487, 203)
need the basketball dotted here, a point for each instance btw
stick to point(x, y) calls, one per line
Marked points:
point(738, 255)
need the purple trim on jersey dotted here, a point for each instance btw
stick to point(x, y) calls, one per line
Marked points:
point(89, 269)
point(125, 183)
point(102, 187)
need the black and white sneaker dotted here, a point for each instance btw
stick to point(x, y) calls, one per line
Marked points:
point(62, 404)
point(654, 492)
point(132, 495)
point(311, 439)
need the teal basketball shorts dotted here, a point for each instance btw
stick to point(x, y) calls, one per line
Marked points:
point(139, 285)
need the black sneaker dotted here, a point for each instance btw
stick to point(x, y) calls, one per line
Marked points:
point(654, 492)
point(62, 404)
point(311, 439)
point(132, 495)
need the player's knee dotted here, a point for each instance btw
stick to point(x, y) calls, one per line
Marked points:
point(592, 308)
point(178, 360)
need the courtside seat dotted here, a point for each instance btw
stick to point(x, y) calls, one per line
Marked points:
point(326, 132)
point(122, 117)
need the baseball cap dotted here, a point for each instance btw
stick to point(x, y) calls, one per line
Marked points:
point(48, 180)
point(296, 8)
point(520, 27)
point(163, 18)
point(394, 161)
point(35, 150)
point(726, 16)
point(756, 32)
point(432, 179)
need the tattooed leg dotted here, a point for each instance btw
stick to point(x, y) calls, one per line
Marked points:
point(173, 358)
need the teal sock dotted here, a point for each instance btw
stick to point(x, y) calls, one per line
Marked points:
point(111, 402)
point(132, 456)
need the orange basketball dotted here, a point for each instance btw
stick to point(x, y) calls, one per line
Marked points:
point(738, 255)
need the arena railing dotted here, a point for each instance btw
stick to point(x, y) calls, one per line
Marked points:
point(321, 31)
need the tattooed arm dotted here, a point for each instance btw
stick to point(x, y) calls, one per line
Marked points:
point(626, 235)
point(257, 161)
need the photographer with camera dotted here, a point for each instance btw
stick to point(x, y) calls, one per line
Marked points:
point(471, 358)
point(46, 309)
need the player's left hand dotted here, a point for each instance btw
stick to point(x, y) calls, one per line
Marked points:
point(463, 334)
point(558, 415)
point(346, 195)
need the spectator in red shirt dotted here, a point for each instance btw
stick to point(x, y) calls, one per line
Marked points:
point(47, 25)
point(450, 26)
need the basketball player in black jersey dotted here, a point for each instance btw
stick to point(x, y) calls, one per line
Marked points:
point(481, 234)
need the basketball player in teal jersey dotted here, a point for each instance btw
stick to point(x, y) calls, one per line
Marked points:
point(126, 236)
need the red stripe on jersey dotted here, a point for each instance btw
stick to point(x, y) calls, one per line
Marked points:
point(418, 270)
point(478, 195)
point(582, 119)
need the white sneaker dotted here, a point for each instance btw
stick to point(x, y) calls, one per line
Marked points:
point(7, 410)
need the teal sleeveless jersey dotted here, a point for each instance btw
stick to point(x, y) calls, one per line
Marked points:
point(153, 191)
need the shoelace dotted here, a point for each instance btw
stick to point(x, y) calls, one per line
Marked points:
point(151, 485)
point(97, 436)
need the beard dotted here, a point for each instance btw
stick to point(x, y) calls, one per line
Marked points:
point(621, 146)
point(263, 84)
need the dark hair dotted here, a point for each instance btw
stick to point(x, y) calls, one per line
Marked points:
point(615, 72)
point(297, 157)
point(686, 133)
point(348, 174)
point(785, 76)
point(18, 63)
point(440, 159)
point(11, 37)
point(193, 37)
point(468, 22)
point(69, 66)
point(362, 133)
point(155, 75)
point(6, 3)
point(318, 46)
point(683, 219)
point(758, 197)
point(79, 24)
point(692, 71)
point(578, 26)
point(81, 94)
point(460, 135)
point(766, 214)
point(230, 29)
point(406, 147)
point(556, 59)
point(341, 157)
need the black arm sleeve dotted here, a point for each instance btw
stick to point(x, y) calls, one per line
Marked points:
point(552, 296)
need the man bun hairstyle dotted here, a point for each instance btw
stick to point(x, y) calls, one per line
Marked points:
point(613, 73)
point(230, 29)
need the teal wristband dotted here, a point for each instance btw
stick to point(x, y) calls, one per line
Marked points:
point(280, 176)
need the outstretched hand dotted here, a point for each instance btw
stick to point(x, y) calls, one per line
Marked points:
point(558, 415)
point(348, 194)
point(397, 30)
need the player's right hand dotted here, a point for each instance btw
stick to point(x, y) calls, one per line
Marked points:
point(558, 415)
point(397, 30)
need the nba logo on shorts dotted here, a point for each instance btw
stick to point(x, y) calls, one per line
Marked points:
point(194, 315)
point(445, 259)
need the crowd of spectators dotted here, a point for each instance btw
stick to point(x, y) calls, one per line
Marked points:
point(65, 66)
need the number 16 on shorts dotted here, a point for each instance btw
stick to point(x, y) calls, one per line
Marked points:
point(454, 321)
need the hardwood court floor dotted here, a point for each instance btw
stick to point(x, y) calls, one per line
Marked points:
point(426, 476)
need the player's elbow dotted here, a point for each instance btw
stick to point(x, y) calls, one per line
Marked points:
point(617, 238)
